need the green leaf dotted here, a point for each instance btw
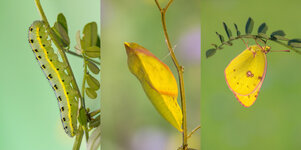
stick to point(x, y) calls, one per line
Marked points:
point(62, 20)
point(93, 67)
point(263, 35)
point(78, 42)
point(93, 52)
point(262, 28)
point(221, 38)
point(90, 35)
point(277, 34)
point(281, 38)
point(60, 30)
point(91, 93)
point(98, 41)
point(237, 31)
point(82, 117)
point(294, 43)
point(210, 52)
point(229, 43)
point(249, 26)
point(94, 140)
point(95, 122)
point(92, 82)
point(228, 31)
point(61, 34)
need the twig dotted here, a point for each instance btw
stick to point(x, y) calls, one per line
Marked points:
point(257, 37)
point(64, 58)
point(55, 41)
point(193, 131)
point(83, 95)
point(81, 56)
point(180, 70)
point(78, 139)
point(93, 113)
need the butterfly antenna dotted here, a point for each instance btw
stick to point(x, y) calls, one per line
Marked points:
point(281, 50)
point(259, 45)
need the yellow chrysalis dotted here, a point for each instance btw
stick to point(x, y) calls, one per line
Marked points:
point(157, 81)
point(246, 72)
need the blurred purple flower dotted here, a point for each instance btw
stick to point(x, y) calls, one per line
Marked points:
point(189, 47)
point(149, 139)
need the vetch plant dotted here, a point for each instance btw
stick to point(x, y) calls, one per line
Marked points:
point(276, 36)
point(58, 71)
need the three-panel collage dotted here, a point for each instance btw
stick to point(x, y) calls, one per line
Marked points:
point(150, 75)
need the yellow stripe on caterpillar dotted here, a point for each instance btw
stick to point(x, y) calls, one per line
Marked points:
point(59, 80)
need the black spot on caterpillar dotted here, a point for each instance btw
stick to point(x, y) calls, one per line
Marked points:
point(54, 70)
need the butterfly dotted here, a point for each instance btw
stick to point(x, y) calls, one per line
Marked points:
point(246, 72)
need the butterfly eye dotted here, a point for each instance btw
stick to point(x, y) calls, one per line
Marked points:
point(267, 49)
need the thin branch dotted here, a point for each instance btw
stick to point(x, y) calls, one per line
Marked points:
point(180, 70)
point(83, 95)
point(81, 56)
point(86, 133)
point(258, 37)
point(93, 113)
point(64, 58)
point(157, 3)
point(169, 3)
point(193, 131)
point(78, 139)
point(55, 41)
point(84, 78)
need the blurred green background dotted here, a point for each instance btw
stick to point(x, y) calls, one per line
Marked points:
point(273, 121)
point(29, 114)
point(130, 122)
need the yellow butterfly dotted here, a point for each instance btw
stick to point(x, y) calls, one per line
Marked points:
point(246, 72)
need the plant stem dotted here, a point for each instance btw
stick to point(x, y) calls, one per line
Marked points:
point(63, 55)
point(180, 70)
point(55, 41)
point(78, 139)
point(257, 37)
point(193, 131)
point(86, 133)
point(81, 56)
point(83, 95)
point(93, 113)
point(84, 78)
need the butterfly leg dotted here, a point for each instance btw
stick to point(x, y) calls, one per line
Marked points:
point(246, 44)
point(263, 48)
point(258, 45)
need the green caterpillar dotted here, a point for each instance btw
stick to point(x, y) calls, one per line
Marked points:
point(55, 71)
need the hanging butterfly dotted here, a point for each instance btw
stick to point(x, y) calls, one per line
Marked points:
point(246, 72)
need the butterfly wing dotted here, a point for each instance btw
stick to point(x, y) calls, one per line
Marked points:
point(248, 100)
point(245, 74)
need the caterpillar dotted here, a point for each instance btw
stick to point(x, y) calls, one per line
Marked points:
point(55, 72)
